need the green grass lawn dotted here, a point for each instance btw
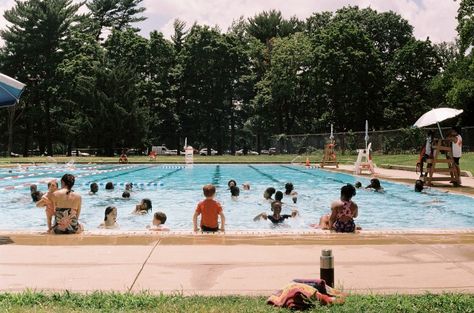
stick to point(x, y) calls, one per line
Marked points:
point(109, 302)
point(467, 161)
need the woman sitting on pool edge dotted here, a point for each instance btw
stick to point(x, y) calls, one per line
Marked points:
point(67, 206)
point(343, 213)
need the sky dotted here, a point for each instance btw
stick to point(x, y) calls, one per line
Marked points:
point(435, 19)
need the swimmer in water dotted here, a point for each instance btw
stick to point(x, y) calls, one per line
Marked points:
point(110, 219)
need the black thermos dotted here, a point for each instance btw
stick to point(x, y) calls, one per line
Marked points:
point(326, 271)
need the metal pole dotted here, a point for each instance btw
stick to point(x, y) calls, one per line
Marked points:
point(440, 131)
point(326, 265)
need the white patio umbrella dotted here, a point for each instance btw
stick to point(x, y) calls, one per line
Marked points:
point(436, 116)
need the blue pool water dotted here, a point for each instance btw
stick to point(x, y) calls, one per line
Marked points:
point(176, 190)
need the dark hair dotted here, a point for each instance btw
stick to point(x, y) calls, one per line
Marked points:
point(68, 180)
point(234, 191)
point(419, 185)
point(288, 188)
point(33, 188)
point(209, 190)
point(109, 186)
point(348, 191)
point(148, 203)
point(231, 181)
point(94, 187)
point(358, 184)
point(269, 191)
point(128, 186)
point(160, 216)
point(36, 195)
point(278, 196)
point(108, 210)
point(126, 194)
point(375, 183)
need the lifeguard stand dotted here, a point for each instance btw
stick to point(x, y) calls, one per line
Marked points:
point(189, 156)
point(440, 147)
point(329, 156)
point(364, 161)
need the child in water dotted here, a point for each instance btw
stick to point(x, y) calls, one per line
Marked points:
point(45, 201)
point(159, 219)
point(276, 217)
point(94, 189)
point(110, 219)
point(375, 185)
point(290, 192)
point(143, 207)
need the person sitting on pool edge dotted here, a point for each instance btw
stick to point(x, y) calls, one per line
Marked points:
point(159, 219)
point(110, 219)
point(290, 191)
point(143, 207)
point(343, 213)
point(67, 206)
point(94, 189)
point(276, 217)
point(269, 193)
point(375, 185)
point(210, 210)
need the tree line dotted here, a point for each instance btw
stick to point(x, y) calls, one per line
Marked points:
point(94, 81)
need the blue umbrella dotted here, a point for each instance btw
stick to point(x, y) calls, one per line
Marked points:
point(10, 90)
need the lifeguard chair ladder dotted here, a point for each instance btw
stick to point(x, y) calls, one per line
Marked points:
point(329, 156)
point(364, 161)
point(442, 146)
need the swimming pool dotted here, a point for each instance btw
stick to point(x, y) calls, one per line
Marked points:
point(176, 190)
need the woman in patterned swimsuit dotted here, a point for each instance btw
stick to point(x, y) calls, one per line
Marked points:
point(67, 206)
point(343, 212)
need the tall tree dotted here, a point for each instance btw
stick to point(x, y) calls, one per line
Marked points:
point(32, 42)
point(411, 71)
point(115, 14)
point(465, 26)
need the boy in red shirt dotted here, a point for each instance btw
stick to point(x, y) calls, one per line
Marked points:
point(210, 210)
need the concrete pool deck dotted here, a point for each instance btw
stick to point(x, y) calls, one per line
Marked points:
point(226, 264)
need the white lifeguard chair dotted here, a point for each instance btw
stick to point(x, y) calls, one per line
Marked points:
point(364, 161)
point(189, 156)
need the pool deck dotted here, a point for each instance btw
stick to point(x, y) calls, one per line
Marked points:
point(409, 177)
point(391, 262)
point(246, 263)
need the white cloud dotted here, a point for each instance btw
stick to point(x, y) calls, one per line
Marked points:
point(430, 18)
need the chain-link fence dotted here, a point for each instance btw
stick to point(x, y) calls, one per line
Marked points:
point(405, 140)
